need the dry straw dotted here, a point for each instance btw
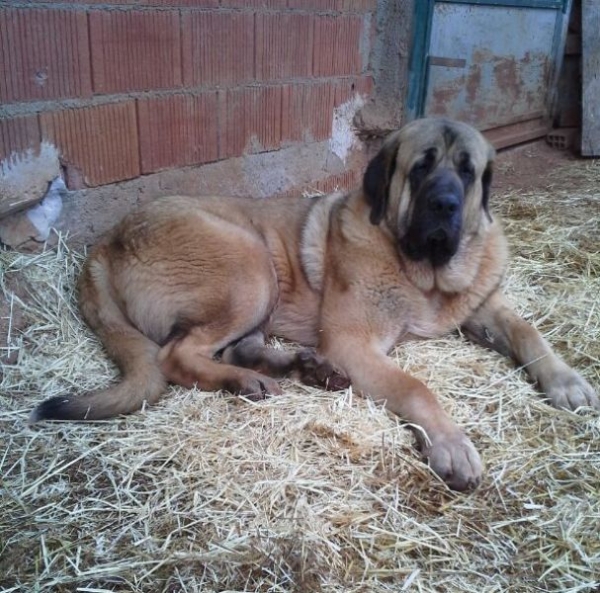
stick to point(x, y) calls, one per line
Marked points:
point(312, 491)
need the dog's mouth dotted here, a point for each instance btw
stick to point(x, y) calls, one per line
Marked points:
point(436, 246)
point(441, 247)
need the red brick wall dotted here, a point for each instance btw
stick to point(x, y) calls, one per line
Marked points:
point(131, 87)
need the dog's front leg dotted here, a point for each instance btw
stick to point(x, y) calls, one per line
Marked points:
point(451, 454)
point(497, 326)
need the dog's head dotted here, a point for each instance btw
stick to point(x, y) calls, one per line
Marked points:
point(430, 184)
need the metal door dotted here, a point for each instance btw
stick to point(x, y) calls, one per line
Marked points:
point(491, 63)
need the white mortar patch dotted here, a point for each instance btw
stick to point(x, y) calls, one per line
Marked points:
point(45, 214)
point(343, 137)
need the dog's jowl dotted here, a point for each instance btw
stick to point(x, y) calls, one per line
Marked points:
point(185, 290)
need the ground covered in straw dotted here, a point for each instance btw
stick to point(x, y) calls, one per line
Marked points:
point(311, 491)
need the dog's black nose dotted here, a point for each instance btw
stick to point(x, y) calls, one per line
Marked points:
point(444, 205)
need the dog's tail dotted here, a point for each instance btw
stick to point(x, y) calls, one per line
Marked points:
point(134, 353)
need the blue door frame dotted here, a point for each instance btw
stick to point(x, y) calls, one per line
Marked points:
point(419, 57)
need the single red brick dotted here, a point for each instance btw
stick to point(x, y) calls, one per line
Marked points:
point(44, 54)
point(218, 48)
point(123, 2)
point(337, 45)
point(164, 3)
point(101, 142)
point(307, 112)
point(255, 3)
point(251, 120)
point(180, 3)
point(283, 45)
point(177, 131)
point(19, 134)
point(135, 50)
point(314, 4)
point(358, 5)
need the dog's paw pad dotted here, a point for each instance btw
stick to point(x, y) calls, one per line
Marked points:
point(315, 370)
point(255, 386)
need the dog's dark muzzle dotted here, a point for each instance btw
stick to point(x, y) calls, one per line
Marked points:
point(435, 227)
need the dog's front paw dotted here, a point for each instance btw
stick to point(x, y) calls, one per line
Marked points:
point(456, 461)
point(569, 390)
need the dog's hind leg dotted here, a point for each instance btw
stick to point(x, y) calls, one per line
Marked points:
point(306, 365)
point(188, 361)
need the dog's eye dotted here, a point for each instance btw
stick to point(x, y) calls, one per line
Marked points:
point(421, 168)
point(466, 172)
point(418, 173)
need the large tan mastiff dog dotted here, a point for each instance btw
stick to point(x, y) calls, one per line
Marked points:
point(414, 253)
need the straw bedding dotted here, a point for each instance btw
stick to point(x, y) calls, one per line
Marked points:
point(312, 491)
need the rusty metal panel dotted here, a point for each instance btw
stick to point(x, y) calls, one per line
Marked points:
point(490, 65)
point(590, 132)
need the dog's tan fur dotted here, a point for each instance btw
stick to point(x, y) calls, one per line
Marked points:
point(182, 280)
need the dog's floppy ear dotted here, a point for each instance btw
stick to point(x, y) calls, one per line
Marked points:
point(486, 182)
point(377, 179)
